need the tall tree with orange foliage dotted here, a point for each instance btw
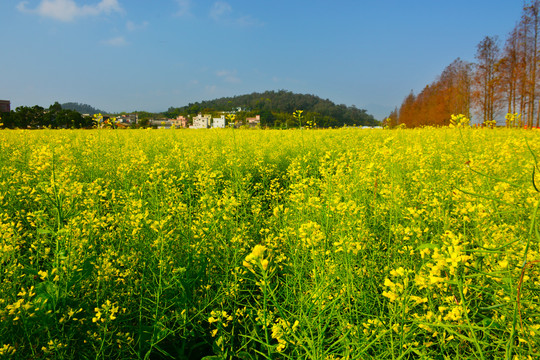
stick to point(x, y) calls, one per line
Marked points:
point(407, 112)
point(449, 94)
point(455, 82)
point(391, 120)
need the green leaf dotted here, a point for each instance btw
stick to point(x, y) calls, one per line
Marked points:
point(46, 294)
point(428, 246)
point(242, 355)
point(43, 231)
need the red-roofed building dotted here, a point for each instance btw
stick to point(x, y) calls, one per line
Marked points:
point(254, 121)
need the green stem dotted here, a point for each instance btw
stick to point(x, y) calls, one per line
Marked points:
point(462, 297)
point(265, 310)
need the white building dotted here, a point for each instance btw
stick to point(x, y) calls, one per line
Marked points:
point(201, 122)
point(219, 122)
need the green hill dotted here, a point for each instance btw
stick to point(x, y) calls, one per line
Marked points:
point(276, 108)
point(82, 108)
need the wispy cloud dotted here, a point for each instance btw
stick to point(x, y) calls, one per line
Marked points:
point(210, 89)
point(248, 21)
point(229, 76)
point(117, 41)
point(69, 10)
point(222, 11)
point(184, 8)
point(132, 26)
point(219, 10)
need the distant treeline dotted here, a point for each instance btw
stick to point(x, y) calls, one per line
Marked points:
point(276, 109)
point(38, 117)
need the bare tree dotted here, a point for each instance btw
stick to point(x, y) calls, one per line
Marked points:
point(486, 94)
point(508, 69)
point(530, 20)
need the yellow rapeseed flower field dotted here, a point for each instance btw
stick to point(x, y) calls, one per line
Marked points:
point(248, 244)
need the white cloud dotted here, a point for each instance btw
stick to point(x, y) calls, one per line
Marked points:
point(228, 76)
point(184, 7)
point(131, 26)
point(210, 89)
point(69, 10)
point(117, 41)
point(219, 10)
point(223, 12)
point(248, 21)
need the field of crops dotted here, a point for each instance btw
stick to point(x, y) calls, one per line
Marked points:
point(263, 244)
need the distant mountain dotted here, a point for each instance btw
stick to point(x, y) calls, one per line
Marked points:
point(82, 108)
point(284, 102)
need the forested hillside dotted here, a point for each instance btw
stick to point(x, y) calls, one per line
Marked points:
point(276, 108)
point(82, 108)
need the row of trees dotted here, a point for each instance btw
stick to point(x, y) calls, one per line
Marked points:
point(502, 80)
point(39, 117)
point(275, 110)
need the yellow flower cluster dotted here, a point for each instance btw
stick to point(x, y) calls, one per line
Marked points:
point(102, 123)
point(513, 120)
point(106, 312)
point(256, 258)
point(282, 331)
point(459, 120)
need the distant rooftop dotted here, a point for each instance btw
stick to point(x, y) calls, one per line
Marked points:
point(5, 106)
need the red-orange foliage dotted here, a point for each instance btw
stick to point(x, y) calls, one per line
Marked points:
point(501, 80)
point(449, 94)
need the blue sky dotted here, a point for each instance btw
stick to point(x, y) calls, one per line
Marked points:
point(120, 55)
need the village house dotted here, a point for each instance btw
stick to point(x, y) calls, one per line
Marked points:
point(201, 122)
point(180, 121)
point(127, 119)
point(5, 106)
point(160, 123)
point(219, 122)
point(254, 121)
